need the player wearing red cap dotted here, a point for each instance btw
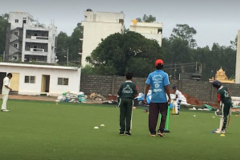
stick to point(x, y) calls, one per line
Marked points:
point(159, 82)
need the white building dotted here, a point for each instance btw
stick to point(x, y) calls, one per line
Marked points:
point(29, 41)
point(31, 79)
point(148, 30)
point(98, 26)
point(237, 76)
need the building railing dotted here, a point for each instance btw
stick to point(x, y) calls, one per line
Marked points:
point(39, 37)
point(36, 50)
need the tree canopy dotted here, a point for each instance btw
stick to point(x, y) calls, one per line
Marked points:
point(185, 32)
point(3, 26)
point(148, 19)
point(121, 53)
point(72, 42)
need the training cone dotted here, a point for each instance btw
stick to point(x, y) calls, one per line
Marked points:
point(222, 135)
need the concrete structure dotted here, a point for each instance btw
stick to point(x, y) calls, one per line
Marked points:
point(237, 75)
point(31, 79)
point(148, 30)
point(29, 41)
point(98, 26)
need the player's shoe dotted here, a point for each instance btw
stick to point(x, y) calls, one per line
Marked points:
point(128, 133)
point(161, 134)
point(4, 110)
point(121, 133)
point(223, 131)
point(220, 131)
point(153, 135)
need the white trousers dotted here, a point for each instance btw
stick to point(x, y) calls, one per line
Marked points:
point(4, 103)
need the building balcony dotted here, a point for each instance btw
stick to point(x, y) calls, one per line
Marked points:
point(36, 52)
point(37, 39)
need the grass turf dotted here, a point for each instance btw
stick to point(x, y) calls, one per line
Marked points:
point(46, 131)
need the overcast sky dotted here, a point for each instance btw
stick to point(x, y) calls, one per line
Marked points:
point(215, 20)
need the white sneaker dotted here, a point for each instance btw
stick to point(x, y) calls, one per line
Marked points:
point(4, 110)
point(220, 132)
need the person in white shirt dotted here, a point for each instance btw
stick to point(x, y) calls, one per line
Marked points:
point(179, 98)
point(5, 91)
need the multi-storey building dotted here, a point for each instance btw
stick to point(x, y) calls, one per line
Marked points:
point(237, 76)
point(29, 41)
point(148, 30)
point(98, 26)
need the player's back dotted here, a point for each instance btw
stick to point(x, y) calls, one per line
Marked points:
point(224, 95)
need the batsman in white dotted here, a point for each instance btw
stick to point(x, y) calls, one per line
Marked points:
point(178, 99)
point(5, 91)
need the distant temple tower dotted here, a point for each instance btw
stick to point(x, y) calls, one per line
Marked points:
point(221, 76)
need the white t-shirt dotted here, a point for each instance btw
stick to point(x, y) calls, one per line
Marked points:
point(5, 90)
point(179, 95)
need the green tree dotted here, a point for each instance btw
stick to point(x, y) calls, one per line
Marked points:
point(148, 19)
point(62, 45)
point(120, 53)
point(3, 26)
point(75, 44)
point(88, 70)
point(177, 56)
point(185, 32)
point(234, 43)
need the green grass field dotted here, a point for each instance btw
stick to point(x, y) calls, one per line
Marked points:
point(46, 131)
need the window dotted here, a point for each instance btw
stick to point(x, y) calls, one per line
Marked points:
point(63, 81)
point(29, 79)
point(16, 20)
point(15, 45)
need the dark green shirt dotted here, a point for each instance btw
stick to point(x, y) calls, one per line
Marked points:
point(224, 96)
point(127, 90)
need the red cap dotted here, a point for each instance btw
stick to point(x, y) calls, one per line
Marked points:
point(159, 61)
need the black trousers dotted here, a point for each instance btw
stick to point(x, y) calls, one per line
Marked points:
point(125, 105)
point(154, 110)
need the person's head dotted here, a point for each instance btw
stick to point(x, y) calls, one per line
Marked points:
point(9, 75)
point(216, 84)
point(129, 76)
point(159, 64)
point(174, 88)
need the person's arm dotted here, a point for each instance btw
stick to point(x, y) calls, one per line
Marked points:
point(136, 92)
point(176, 95)
point(219, 100)
point(147, 87)
point(168, 93)
point(120, 91)
point(8, 87)
point(6, 84)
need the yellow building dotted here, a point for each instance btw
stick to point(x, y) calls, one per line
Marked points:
point(221, 76)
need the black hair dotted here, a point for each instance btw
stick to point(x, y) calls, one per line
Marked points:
point(129, 76)
point(9, 75)
point(159, 66)
point(174, 87)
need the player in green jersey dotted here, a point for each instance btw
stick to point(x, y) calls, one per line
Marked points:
point(225, 103)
